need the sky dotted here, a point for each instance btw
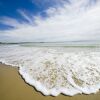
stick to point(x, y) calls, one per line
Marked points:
point(49, 20)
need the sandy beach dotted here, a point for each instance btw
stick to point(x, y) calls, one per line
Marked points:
point(13, 87)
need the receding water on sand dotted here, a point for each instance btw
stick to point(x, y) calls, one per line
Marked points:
point(54, 70)
point(12, 87)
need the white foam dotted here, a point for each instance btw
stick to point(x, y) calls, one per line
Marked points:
point(55, 70)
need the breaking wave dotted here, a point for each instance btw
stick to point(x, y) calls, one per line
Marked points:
point(55, 70)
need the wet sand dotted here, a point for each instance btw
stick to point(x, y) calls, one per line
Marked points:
point(13, 87)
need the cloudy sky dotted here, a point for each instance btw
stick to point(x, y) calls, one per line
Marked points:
point(49, 20)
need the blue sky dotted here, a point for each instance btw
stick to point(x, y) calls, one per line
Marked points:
point(10, 8)
point(49, 20)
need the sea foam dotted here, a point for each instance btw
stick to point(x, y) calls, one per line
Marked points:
point(53, 70)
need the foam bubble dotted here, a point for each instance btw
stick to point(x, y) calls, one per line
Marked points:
point(55, 70)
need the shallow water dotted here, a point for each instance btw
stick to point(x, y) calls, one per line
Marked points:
point(55, 70)
point(13, 87)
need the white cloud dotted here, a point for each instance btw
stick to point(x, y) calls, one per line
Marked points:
point(80, 20)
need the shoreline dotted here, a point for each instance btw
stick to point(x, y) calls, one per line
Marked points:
point(13, 87)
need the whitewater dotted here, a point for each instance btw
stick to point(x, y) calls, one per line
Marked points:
point(56, 70)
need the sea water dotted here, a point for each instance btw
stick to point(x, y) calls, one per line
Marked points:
point(55, 69)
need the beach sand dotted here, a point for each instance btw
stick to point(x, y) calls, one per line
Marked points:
point(13, 87)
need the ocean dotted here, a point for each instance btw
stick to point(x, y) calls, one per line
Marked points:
point(53, 68)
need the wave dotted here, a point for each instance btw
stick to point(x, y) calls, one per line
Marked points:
point(55, 70)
